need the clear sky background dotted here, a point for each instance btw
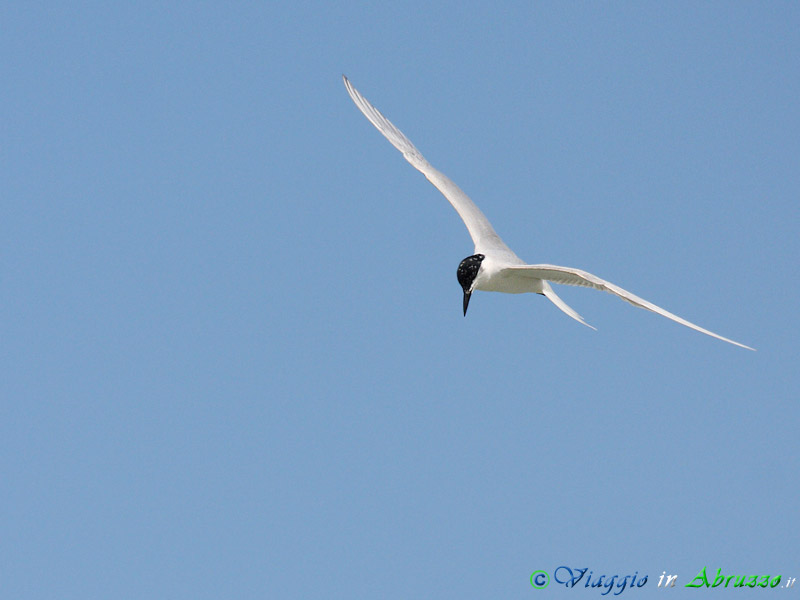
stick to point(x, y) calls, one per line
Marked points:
point(234, 360)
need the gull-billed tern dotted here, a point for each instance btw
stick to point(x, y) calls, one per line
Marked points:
point(494, 267)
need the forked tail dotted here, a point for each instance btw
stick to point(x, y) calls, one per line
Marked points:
point(553, 297)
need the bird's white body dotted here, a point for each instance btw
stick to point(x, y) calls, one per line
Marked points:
point(494, 276)
point(498, 268)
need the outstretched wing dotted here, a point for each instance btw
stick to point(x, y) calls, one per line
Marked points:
point(569, 276)
point(481, 231)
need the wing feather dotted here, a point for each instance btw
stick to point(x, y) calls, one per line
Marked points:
point(576, 277)
point(479, 227)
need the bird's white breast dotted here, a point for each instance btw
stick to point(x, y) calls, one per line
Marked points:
point(492, 278)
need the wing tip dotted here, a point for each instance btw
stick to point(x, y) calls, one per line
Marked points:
point(746, 347)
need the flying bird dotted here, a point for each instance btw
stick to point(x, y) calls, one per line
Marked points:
point(493, 267)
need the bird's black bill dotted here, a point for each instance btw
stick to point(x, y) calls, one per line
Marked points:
point(466, 301)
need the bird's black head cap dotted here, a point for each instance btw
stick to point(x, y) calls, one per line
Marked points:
point(467, 272)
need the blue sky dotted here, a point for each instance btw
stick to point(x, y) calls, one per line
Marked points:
point(234, 359)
